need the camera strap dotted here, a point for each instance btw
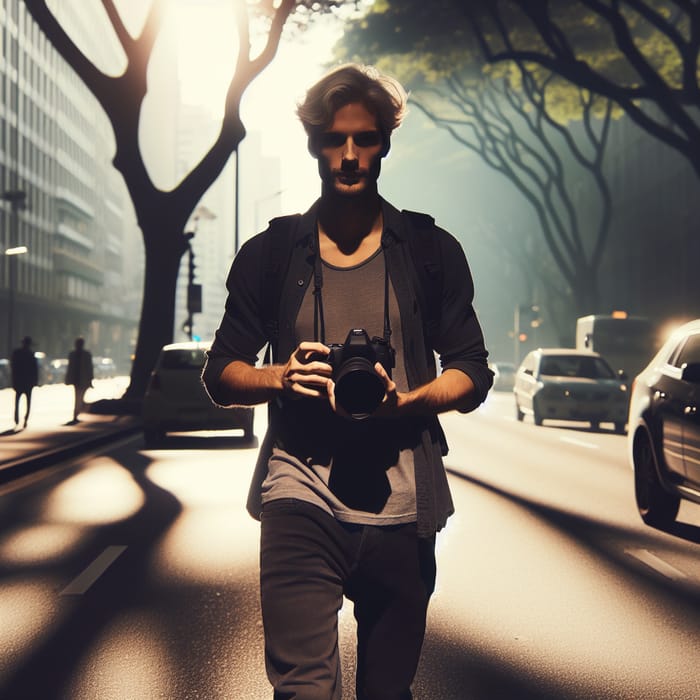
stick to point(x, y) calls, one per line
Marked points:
point(319, 324)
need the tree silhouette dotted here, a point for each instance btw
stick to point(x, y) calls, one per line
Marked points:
point(513, 133)
point(163, 215)
point(649, 67)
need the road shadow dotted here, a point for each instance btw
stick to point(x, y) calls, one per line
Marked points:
point(196, 632)
point(602, 539)
point(50, 664)
point(185, 441)
point(684, 531)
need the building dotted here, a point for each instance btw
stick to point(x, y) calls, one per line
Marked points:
point(64, 208)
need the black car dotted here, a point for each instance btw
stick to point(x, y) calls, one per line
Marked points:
point(664, 428)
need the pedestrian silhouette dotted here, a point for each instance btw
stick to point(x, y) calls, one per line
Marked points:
point(25, 376)
point(79, 374)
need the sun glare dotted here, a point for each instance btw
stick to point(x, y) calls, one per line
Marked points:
point(206, 43)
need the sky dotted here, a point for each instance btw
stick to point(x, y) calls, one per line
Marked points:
point(205, 34)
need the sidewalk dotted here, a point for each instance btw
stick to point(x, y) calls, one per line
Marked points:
point(49, 438)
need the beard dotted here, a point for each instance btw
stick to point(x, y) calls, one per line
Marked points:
point(349, 181)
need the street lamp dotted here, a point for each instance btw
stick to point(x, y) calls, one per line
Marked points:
point(18, 201)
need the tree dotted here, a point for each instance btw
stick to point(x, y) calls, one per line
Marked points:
point(513, 132)
point(542, 134)
point(649, 67)
point(162, 215)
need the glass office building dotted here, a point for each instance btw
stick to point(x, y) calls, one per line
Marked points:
point(72, 254)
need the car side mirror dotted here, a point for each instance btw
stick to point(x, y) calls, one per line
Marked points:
point(691, 373)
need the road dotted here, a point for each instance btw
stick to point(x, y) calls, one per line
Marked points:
point(132, 574)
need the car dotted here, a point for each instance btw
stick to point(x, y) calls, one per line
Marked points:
point(104, 367)
point(570, 385)
point(175, 399)
point(503, 375)
point(42, 366)
point(56, 373)
point(5, 374)
point(663, 440)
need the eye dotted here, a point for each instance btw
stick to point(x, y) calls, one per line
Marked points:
point(331, 139)
point(367, 139)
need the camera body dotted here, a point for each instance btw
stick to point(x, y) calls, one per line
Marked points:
point(358, 388)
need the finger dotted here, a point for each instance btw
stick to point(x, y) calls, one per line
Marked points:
point(388, 382)
point(337, 408)
point(302, 380)
point(309, 349)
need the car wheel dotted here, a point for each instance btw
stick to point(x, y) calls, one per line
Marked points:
point(518, 413)
point(248, 433)
point(536, 415)
point(656, 506)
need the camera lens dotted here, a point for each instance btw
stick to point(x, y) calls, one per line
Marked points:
point(358, 388)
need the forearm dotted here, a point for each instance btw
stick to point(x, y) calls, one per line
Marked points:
point(452, 390)
point(245, 385)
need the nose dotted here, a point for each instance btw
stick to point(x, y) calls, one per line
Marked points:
point(349, 158)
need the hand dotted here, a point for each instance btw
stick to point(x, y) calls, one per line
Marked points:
point(305, 375)
point(388, 405)
point(391, 397)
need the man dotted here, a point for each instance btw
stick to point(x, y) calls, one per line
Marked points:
point(25, 376)
point(79, 373)
point(349, 504)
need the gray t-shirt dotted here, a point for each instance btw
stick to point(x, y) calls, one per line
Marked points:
point(358, 471)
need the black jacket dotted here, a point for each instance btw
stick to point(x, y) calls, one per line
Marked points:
point(459, 341)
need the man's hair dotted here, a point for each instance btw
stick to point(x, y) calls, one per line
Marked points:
point(381, 95)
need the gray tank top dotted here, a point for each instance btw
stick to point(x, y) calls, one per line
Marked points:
point(366, 476)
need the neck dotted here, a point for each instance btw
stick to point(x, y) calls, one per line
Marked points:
point(348, 221)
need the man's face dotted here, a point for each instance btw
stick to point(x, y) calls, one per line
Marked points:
point(349, 152)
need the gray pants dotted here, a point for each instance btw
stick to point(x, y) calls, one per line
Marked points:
point(309, 561)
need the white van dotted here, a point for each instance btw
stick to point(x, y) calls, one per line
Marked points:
point(626, 342)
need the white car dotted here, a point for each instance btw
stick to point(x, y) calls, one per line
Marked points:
point(176, 401)
point(571, 385)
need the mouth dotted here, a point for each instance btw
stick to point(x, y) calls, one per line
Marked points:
point(349, 178)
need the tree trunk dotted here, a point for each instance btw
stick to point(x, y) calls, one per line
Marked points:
point(158, 306)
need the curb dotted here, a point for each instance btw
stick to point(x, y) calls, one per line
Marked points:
point(36, 461)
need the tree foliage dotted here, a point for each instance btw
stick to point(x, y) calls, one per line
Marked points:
point(163, 215)
point(642, 54)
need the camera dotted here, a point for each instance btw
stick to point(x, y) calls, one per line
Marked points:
point(358, 388)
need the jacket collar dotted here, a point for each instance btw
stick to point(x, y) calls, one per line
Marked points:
point(393, 224)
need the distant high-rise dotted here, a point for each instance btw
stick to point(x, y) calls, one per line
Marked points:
point(81, 273)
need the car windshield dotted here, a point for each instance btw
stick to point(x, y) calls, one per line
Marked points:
point(183, 359)
point(576, 366)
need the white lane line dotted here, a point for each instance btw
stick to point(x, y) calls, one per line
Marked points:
point(81, 583)
point(580, 443)
point(651, 560)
